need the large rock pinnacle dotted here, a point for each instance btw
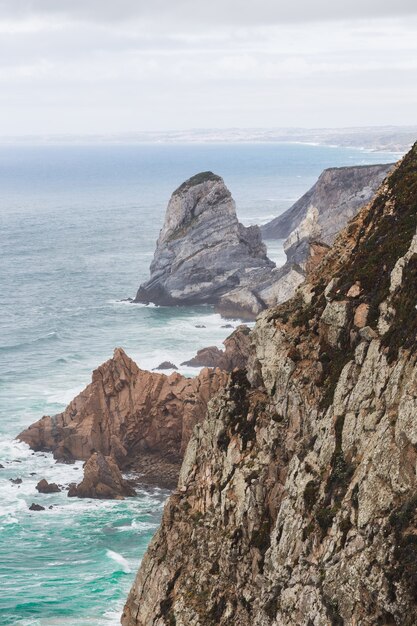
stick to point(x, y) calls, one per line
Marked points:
point(203, 252)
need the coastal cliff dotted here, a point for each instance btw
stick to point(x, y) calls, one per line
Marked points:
point(331, 202)
point(297, 498)
point(204, 255)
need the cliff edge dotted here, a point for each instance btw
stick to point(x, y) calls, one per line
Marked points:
point(297, 498)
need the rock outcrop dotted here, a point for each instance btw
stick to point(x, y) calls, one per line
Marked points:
point(102, 479)
point(205, 256)
point(142, 419)
point(331, 202)
point(44, 487)
point(297, 498)
point(36, 507)
point(235, 354)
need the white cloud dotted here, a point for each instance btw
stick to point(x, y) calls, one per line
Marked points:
point(84, 67)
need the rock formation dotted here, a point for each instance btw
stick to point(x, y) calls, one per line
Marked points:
point(36, 507)
point(142, 419)
point(166, 365)
point(331, 202)
point(44, 487)
point(102, 479)
point(297, 498)
point(312, 223)
point(205, 256)
point(235, 354)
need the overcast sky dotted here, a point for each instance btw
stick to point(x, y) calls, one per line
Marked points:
point(110, 66)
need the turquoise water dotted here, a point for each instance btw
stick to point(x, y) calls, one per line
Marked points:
point(77, 232)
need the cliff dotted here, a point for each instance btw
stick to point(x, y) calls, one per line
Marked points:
point(297, 498)
point(142, 419)
point(326, 208)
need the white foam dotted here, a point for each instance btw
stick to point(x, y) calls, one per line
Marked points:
point(120, 560)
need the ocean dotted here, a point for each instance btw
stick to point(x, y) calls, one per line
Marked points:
point(78, 226)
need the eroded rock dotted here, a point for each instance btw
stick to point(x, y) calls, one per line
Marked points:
point(44, 487)
point(102, 479)
point(142, 419)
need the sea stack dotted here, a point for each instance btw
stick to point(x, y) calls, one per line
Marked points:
point(203, 252)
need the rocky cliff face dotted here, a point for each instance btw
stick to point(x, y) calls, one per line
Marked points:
point(142, 419)
point(203, 251)
point(235, 354)
point(326, 208)
point(297, 498)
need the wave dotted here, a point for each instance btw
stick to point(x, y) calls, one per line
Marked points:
point(52, 336)
point(120, 560)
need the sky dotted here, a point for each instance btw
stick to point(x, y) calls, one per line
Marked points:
point(117, 66)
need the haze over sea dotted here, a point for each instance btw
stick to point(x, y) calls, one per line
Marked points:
point(78, 226)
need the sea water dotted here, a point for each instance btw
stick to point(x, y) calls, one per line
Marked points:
point(78, 226)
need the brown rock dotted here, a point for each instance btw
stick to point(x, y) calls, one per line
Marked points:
point(317, 250)
point(235, 354)
point(354, 291)
point(102, 479)
point(207, 357)
point(165, 365)
point(36, 507)
point(130, 414)
point(361, 315)
point(44, 487)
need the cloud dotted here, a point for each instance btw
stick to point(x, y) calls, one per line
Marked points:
point(122, 65)
point(188, 12)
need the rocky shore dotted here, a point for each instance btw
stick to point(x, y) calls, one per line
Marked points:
point(143, 420)
point(204, 255)
point(297, 498)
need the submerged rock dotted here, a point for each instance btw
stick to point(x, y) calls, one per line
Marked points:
point(36, 507)
point(166, 365)
point(102, 479)
point(44, 487)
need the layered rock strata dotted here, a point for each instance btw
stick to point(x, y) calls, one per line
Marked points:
point(142, 419)
point(331, 202)
point(205, 256)
point(297, 498)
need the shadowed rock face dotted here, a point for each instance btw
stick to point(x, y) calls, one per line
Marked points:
point(203, 252)
point(297, 498)
point(142, 419)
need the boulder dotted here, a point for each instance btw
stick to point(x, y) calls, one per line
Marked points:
point(36, 507)
point(44, 487)
point(102, 479)
point(235, 354)
point(165, 365)
point(207, 357)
